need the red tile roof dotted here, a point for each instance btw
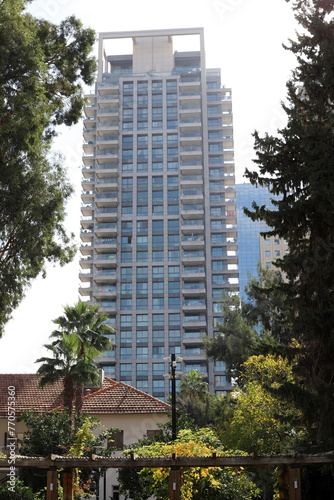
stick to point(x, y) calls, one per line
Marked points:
point(112, 398)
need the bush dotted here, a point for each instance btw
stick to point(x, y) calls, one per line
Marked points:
point(20, 492)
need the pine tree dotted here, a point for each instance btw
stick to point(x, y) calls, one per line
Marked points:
point(297, 164)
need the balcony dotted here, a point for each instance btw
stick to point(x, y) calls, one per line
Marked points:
point(193, 288)
point(85, 277)
point(106, 168)
point(102, 228)
point(106, 199)
point(103, 244)
point(87, 209)
point(192, 241)
point(193, 272)
point(105, 275)
point(104, 291)
point(194, 304)
point(106, 214)
point(85, 291)
point(86, 249)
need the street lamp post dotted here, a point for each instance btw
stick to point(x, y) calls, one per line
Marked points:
point(172, 359)
point(175, 473)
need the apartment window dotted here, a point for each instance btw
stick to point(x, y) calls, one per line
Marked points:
point(267, 253)
point(158, 287)
point(173, 240)
point(174, 319)
point(126, 256)
point(126, 319)
point(158, 319)
point(126, 227)
point(157, 181)
point(158, 335)
point(142, 320)
point(158, 369)
point(126, 352)
point(142, 336)
point(174, 335)
point(126, 304)
point(127, 183)
point(158, 226)
point(158, 351)
point(158, 303)
point(214, 211)
point(158, 271)
point(174, 271)
point(126, 288)
point(216, 224)
point(126, 336)
point(157, 255)
point(142, 272)
point(142, 140)
point(142, 352)
point(142, 241)
point(221, 380)
point(217, 265)
point(158, 387)
point(173, 255)
point(142, 369)
point(217, 238)
point(216, 198)
point(142, 288)
point(174, 302)
point(173, 287)
point(126, 273)
point(142, 210)
point(217, 252)
point(142, 256)
point(142, 226)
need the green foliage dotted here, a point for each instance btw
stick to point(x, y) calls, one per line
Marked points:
point(82, 336)
point(18, 492)
point(261, 422)
point(197, 483)
point(52, 433)
point(297, 165)
point(236, 339)
point(42, 71)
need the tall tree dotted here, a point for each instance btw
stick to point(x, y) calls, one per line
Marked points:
point(43, 68)
point(86, 325)
point(297, 164)
point(82, 337)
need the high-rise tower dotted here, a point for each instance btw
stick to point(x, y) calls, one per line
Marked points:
point(158, 222)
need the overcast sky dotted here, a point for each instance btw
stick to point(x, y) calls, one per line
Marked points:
point(242, 37)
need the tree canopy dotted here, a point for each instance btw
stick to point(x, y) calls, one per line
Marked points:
point(82, 337)
point(197, 482)
point(297, 164)
point(43, 68)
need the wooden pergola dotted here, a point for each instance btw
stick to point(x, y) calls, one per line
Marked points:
point(289, 475)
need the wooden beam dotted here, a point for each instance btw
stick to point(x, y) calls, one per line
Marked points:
point(52, 485)
point(60, 462)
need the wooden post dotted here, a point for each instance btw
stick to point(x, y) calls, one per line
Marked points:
point(68, 484)
point(294, 484)
point(175, 484)
point(52, 485)
point(283, 482)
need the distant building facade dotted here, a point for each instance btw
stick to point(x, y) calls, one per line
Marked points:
point(252, 247)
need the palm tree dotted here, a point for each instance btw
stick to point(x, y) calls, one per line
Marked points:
point(81, 337)
point(65, 365)
point(194, 398)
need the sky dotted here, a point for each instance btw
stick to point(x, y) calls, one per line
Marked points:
point(242, 37)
